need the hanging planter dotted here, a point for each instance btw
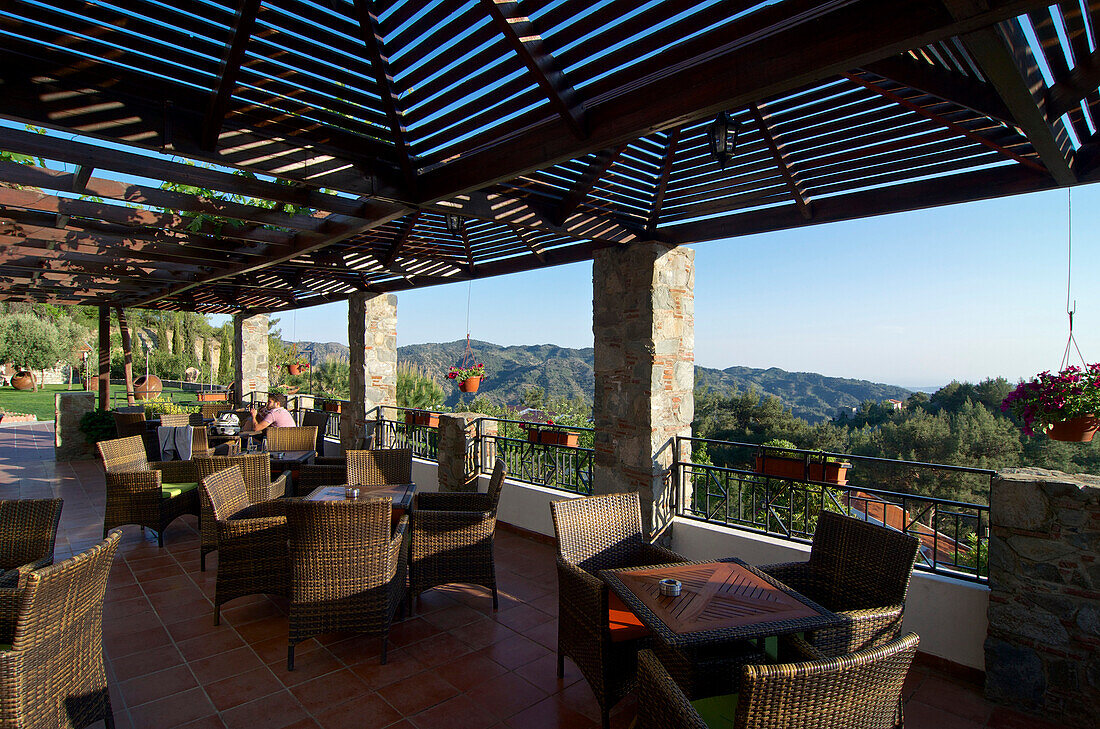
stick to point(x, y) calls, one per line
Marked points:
point(1064, 406)
point(468, 377)
point(470, 384)
point(297, 368)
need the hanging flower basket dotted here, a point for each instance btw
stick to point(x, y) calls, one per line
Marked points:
point(297, 368)
point(1064, 406)
point(467, 377)
point(470, 384)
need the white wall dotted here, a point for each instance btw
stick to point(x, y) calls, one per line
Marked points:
point(949, 615)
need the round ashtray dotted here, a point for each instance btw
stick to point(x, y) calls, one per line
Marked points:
point(351, 493)
point(669, 587)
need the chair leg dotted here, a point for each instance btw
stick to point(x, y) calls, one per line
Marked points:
point(217, 614)
point(109, 715)
point(160, 538)
point(605, 718)
point(290, 657)
point(202, 561)
point(385, 641)
point(496, 603)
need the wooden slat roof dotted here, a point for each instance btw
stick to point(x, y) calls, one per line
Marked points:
point(337, 135)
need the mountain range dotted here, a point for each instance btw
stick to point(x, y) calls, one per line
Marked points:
point(564, 372)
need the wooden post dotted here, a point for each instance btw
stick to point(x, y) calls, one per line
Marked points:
point(127, 355)
point(104, 357)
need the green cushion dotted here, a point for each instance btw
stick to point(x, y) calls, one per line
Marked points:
point(771, 646)
point(717, 711)
point(171, 490)
point(5, 646)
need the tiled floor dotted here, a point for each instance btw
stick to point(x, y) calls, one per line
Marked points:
point(456, 665)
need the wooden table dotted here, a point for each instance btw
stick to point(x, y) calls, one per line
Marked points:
point(400, 494)
point(719, 602)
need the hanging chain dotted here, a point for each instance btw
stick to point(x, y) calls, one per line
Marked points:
point(1071, 343)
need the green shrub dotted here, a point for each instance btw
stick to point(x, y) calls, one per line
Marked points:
point(97, 425)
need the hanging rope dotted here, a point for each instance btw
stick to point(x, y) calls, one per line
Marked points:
point(468, 355)
point(1071, 343)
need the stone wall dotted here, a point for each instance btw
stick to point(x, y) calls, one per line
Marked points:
point(69, 442)
point(372, 338)
point(1043, 647)
point(251, 343)
point(643, 322)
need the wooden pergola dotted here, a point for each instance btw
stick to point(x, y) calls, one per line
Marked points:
point(229, 156)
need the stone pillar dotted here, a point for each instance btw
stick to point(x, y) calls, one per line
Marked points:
point(250, 344)
point(643, 310)
point(1042, 652)
point(457, 432)
point(69, 443)
point(372, 337)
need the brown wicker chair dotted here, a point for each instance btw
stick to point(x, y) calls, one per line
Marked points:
point(379, 466)
point(318, 420)
point(292, 439)
point(347, 569)
point(128, 424)
point(452, 538)
point(152, 494)
point(213, 409)
point(858, 570)
point(252, 538)
point(28, 531)
point(595, 533)
point(175, 420)
point(52, 675)
point(256, 469)
point(856, 690)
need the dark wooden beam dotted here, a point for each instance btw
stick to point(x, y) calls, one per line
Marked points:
point(597, 166)
point(943, 84)
point(798, 193)
point(663, 180)
point(513, 24)
point(1068, 93)
point(1005, 58)
point(836, 38)
point(401, 238)
point(227, 75)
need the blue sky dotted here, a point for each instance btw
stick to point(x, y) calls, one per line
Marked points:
point(916, 299)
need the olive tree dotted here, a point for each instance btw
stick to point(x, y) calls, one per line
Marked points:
point(29, 342)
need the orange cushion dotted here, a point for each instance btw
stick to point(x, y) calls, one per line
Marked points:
point(623, 623)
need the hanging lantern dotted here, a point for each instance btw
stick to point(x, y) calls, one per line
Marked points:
point(722, 138)
point(455, 224)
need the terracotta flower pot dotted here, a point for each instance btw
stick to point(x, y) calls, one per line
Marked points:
point(211, 397)
point(470, 384)
point(331, 407)
point(797, 469)
point(413, 417)
point(1074, 430)
point(22, 380)
point(554, 437)
point(295, 369)
point(147, 387)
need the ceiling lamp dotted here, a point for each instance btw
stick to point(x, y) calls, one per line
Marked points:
point(722, 138)
point(455, 224)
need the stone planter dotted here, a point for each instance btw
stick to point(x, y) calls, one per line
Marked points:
point(147, 387)
point(798, 470)
point(413, 417)
point(23, 380)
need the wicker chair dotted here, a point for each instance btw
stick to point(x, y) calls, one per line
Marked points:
point(856, 690)
point(318, 420)
point(452, 538)
point(292, 439)
point(52, 674)
point(28, 531)
point(379, 466)
point(175, 420)
point(213, 409)
point(128, 424)
point(858, 570)
point(256, 469)
point(139, 492)
point(595, 533)
point(252, 537)
point(347, 570)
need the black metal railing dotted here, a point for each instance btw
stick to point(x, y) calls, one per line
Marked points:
point(401, 432)
point(751, 494)
point(563, 467)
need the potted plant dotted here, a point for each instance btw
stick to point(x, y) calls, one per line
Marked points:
point(298, 363)
point(552, 436)
point(1064, 406)
point(331, 406)
point(468, 378)
point(777, 461)
point(422, 417)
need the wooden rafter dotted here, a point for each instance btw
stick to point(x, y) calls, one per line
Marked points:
point(663, 180)
point(529, 46)
point(1069, 92)
point(401, 238)
point(935, 81)
point(782, 163)
point(227, 75)
point(597, 166)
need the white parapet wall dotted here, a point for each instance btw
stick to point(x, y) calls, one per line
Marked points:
point(949, 615)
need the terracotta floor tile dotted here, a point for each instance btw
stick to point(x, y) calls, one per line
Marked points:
point(1002, 717)
point(273, 650)
point(122, 643)
point(322, 694)
point(411, 631)
point(173, 711)
point(417, 692)
point(515, 652)
point(242, 688)
point(505, 695)
point(452, 616)
point(551, 713)
point(522, 618)
point(257, 630)
point(457, 713)
point(482, 633)
point(363, 711)
point(152, 686)
point(224, 665)
point(274, 711)
point(469, 671)
point(209, 644)
point(959, 700)
point(543, 672)
point(919, 715)
point(545, 634)
point(355, 649)
point(439, 649)
point(399, 664)
point(307, 666)
point(139, 664)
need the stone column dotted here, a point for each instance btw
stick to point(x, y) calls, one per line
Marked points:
point(372, 337)
point(69, 442)
point(457, 431)
point(643, 310)
point(250, 343)
point(1042, 652)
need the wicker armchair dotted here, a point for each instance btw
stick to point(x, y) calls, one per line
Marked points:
point(213, 409)
point(292, 439)
point(858, 570)
point(152, 494)
point(856, 690)
point(175, 420)
point(319, 420)
point(28, 531)
point(595, 533)
point(128, 424)
point(452, 538)
point(252, 555)
point(256, 469)
point(51, 670)
point(347, 570)
point(379, 466)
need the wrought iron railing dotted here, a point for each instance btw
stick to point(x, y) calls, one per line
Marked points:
point(399, 433)
point(562, 467)
point(752, 496)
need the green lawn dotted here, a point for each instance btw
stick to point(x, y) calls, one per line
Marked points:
point(41, 403)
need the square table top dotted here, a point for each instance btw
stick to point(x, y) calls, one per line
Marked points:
point(401, 494)
point(291, 456)
point(720, 601)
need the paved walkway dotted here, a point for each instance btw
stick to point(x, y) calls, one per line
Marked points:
point(456, 665)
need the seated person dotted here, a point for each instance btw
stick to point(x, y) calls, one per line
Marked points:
point(274, 414)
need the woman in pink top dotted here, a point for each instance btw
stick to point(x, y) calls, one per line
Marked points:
point(274, 414)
